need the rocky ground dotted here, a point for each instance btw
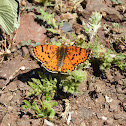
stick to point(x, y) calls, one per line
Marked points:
point(103, 97)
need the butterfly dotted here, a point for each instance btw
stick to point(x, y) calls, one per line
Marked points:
point(60, 59)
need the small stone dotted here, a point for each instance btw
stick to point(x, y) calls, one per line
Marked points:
point(9, 119)
point(12, 86)
point(48, 123)
point(9, 108)
point(110, 121)
point(120, 82)
point(121, 97)
point(67, 27)
point(118, 76)
point(2, 82)
point(86, 113)
point(23, 122)
point(114, 105)
point(99, 115)
point(35, 122)
point(6, 98)
point(120, 89)
point(25, 52)
point(109, 76)
point(108, 99)
point(30, 30)
point(99, 86)
point(83, 124)
point(68, 16)
point(119, 116)
point(104, 118)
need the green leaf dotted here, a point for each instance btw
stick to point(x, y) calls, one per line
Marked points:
point(52, 30)
point(27, 105)
point(35, 107)
point(120, 56)
point(9, 19)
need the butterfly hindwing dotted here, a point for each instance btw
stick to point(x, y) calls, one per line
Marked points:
point(52, 65)
point(67, 65)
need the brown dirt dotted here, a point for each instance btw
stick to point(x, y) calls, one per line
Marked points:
point(103, 98)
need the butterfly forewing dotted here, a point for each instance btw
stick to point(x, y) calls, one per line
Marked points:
point(45, 53)
point(76, 55)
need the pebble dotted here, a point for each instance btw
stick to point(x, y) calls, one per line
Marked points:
point(120, 82)
point(104, 118)
point(25, 52)
point(110, 121)
point(48, 123)
point(83, 124)
point(23, 122)
point(86, 113)
point(6, 98)
point(9, 108)
point(121, 97)
point(118, 76)
point(119, 116)
point(114, 105)
point(100, 86)
point(108, 99)
point(120, 90)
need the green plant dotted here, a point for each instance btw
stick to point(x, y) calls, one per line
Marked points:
point(45, 2)
point(9, 15)
point(71, 83)
point(56, 28)
point(116, 2)
point(30, 8)
point(48, 86)
point(67, 5)
point(120, 61)
point(95, 23)
point(53, 42)
point(115, 27)
point(40, 86)
point(29, 42)
point(106, 57)
point(44, 109)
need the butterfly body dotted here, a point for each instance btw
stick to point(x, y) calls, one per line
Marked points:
point(60, 59)
point(61, 53)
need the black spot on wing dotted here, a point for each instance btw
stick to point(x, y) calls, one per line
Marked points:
point(73, 57)
point(74, 64)
point(80, 51)
point(42, 48)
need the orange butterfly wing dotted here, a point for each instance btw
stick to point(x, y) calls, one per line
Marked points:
point(67, 65)
point(74, 56)
point(47, 54)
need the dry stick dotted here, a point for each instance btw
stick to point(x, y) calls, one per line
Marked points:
point(13, 76)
